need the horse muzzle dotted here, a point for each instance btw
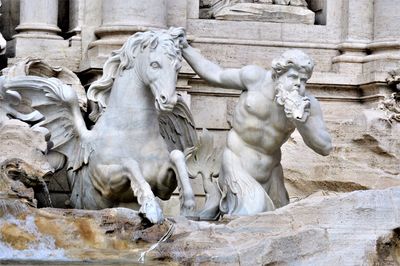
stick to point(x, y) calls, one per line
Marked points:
point(165, 104)
point(164, 107)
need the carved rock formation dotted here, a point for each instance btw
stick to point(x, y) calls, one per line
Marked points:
point(24, 168)
point(359, 228)
point(366, 156)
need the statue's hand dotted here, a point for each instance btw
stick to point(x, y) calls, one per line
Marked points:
point(306, 112)
point(297, 107)
point(183, 41)
point(303, 110)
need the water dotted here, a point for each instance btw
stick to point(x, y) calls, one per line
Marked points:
point(18, 224)
point(45, 249)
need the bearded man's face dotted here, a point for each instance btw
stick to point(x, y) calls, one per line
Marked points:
point(290, 92)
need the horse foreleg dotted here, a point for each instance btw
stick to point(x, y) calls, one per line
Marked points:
point(185, 189)
point(117, 175)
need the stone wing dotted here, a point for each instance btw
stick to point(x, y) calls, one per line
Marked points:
point(178, 128)
point(11, 106)
point(58, 103)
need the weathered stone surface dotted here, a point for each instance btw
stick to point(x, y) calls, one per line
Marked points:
point(365, 156)
point(24, 167)
point(358, 228)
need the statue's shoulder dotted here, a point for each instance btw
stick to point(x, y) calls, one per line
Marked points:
point(253, 74)
point(313, 100)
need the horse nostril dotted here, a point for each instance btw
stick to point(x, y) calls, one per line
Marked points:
point(163, 98)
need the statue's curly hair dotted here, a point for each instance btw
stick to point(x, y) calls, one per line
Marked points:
point(292, 59)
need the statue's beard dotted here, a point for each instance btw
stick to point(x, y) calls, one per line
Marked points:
point(296, 106)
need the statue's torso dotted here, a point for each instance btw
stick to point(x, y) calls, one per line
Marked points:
point(260, 127)
point(261, 122)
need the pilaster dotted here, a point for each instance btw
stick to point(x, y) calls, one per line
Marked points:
point(356, 35)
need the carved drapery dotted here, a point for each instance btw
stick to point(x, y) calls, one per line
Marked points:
point(258, 10)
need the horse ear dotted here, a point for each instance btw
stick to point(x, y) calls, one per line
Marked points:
point(154, 43)
point(177, 32)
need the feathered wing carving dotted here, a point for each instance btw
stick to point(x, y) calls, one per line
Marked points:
point(12, 107)
point(178, 128)
point(58, 103)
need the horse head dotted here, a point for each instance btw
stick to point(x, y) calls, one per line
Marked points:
point(159, 65)
point(156, 57)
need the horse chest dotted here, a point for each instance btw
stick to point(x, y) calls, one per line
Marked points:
point(135, 144)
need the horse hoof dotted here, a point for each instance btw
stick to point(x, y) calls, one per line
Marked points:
point(188, 207)
point(151, 211)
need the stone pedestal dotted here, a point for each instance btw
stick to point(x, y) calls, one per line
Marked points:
point(121, 19)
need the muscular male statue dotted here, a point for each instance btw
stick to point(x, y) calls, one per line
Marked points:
point(272, 104)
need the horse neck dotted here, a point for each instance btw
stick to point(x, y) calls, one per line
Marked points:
point(129, 91)
point(131, 101)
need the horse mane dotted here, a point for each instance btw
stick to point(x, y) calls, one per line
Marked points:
point(124, 58)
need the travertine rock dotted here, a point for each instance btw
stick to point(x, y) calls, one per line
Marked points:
point(24, 167)
point(358, 228)
point(365, 156)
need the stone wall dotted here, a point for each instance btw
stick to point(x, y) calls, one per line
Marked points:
point(354, 44)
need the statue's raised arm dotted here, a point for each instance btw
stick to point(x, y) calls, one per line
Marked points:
point(232, 78)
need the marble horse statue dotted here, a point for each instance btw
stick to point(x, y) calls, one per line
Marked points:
point(133, 152)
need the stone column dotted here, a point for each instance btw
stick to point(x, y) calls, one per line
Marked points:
point(357, 34)
point(120, 19)
point(384, 49)
point(386, 43)
point(76, 13)
point(38, 18)
point(38, 36)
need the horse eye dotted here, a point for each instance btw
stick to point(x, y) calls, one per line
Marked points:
point(155, 65)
